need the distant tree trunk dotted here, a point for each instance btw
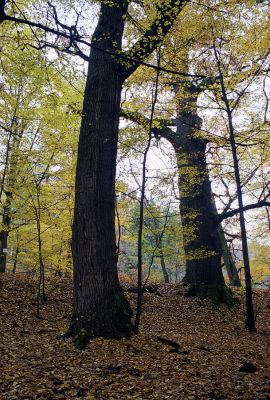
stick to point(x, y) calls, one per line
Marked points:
point(228, 260)
point(201, 239)
point(41, 296)
point(5, 231)
point(226, 254)
point(200, 236)
point(3, 254)
point(158, 240)
point(163, 266)
point(15, 259)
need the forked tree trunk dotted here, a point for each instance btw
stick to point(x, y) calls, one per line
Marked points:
point(100, 307)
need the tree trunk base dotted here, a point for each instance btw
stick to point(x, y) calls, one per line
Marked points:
point(217, 293)
point(113, 321)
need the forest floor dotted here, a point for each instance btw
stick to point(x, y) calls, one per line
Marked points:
point(35, 363)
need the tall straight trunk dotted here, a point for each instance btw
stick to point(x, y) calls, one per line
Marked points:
point(100, 307)
point(41, 283)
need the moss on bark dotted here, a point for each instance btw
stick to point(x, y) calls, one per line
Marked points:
point(215, 292)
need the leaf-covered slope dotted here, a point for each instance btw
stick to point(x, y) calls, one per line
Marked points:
point(213, 346)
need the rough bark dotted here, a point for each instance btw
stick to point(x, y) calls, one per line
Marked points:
point(100, 307)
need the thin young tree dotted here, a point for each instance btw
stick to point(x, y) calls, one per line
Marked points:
point(250, 320)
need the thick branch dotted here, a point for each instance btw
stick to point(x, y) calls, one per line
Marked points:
point(166, 15)
point(159, 130)
point(231, 213)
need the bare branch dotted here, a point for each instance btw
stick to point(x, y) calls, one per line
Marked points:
point(231, 213)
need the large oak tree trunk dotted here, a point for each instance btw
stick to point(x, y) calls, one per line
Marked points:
point(100, 307)
point(201, 239)
point(200, 235)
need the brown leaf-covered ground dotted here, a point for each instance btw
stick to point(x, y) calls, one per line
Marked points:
point(36, 364)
